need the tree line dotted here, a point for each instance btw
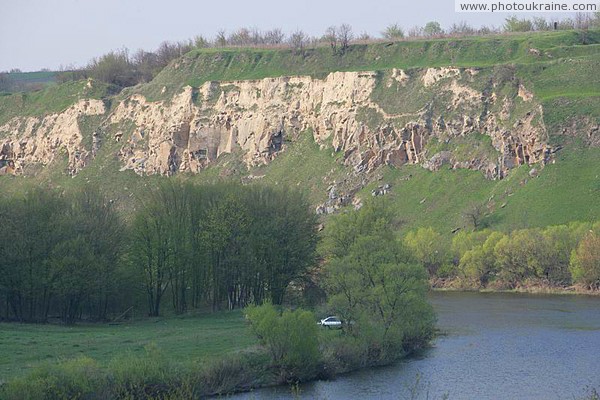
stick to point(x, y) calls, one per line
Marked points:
point(122, 69)
point(73, 256)
point(556, 256)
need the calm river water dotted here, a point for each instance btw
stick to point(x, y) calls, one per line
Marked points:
point(498, 346)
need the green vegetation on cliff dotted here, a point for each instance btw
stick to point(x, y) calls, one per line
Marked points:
point(204, 65)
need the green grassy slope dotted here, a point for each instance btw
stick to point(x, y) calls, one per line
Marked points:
point(565, 191)
point(52, 99)
point(204, 65)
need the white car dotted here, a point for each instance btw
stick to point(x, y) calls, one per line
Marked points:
point(331, 322)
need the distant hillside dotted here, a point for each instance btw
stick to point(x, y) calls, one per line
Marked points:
point(26, 81)
point(506, 124)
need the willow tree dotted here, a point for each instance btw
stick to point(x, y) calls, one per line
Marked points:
point(372, 281)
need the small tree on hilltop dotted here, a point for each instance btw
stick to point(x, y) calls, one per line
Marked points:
point(221, 38)
point(514, 24)
point(298, 41)
point(331, 36)
point(393, 32)
point(432, 28)
point(345, 35)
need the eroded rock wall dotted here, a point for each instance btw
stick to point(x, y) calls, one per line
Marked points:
point(257, 117)
point(344, 110)
point(33, 140)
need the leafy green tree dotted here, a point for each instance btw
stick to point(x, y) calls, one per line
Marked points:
point(151, 251)
point(560, 242)
point(224, 235)
point(343, 230)
point(428, 247)
point(393, 32)
point(175, 201)
point(34, 225)
point(294, 239)
point(74, 276)
point(479, 263)
point(54, 247)
point(291, 338)
point(374, 284)
point(464, 241)
point(115, 68)
point(94, 220)
point(585, 261)
point(163, 243)
point(432, 28)
point(522, 255)
point(384, 294)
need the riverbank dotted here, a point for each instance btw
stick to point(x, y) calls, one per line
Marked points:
point(194, 356)
point(531, 287)
point(176, 357)
point(538, 347)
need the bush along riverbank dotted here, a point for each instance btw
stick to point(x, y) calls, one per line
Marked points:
point(293, 349)
point(554, 259)
point(530, 286)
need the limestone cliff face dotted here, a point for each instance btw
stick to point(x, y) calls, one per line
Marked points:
point(27, 141)
point(257, 117)
point(389, 117)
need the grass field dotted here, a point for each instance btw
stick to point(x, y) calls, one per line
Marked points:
point(189, 338)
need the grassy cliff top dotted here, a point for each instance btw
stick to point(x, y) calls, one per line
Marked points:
point(212, 64)
point(202, 65)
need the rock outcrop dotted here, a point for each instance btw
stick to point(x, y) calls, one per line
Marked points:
point(257, 118)
point(29, 141)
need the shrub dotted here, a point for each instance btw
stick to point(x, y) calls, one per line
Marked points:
point(80, 378)
point(226, 375)
point(585, 261)
point(149, 375)
point(428, 247)
point(393, 31)
point(291, 337)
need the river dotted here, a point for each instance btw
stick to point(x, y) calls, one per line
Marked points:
point(496, 346)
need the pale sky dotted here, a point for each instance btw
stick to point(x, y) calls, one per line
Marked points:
point(37, 34)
